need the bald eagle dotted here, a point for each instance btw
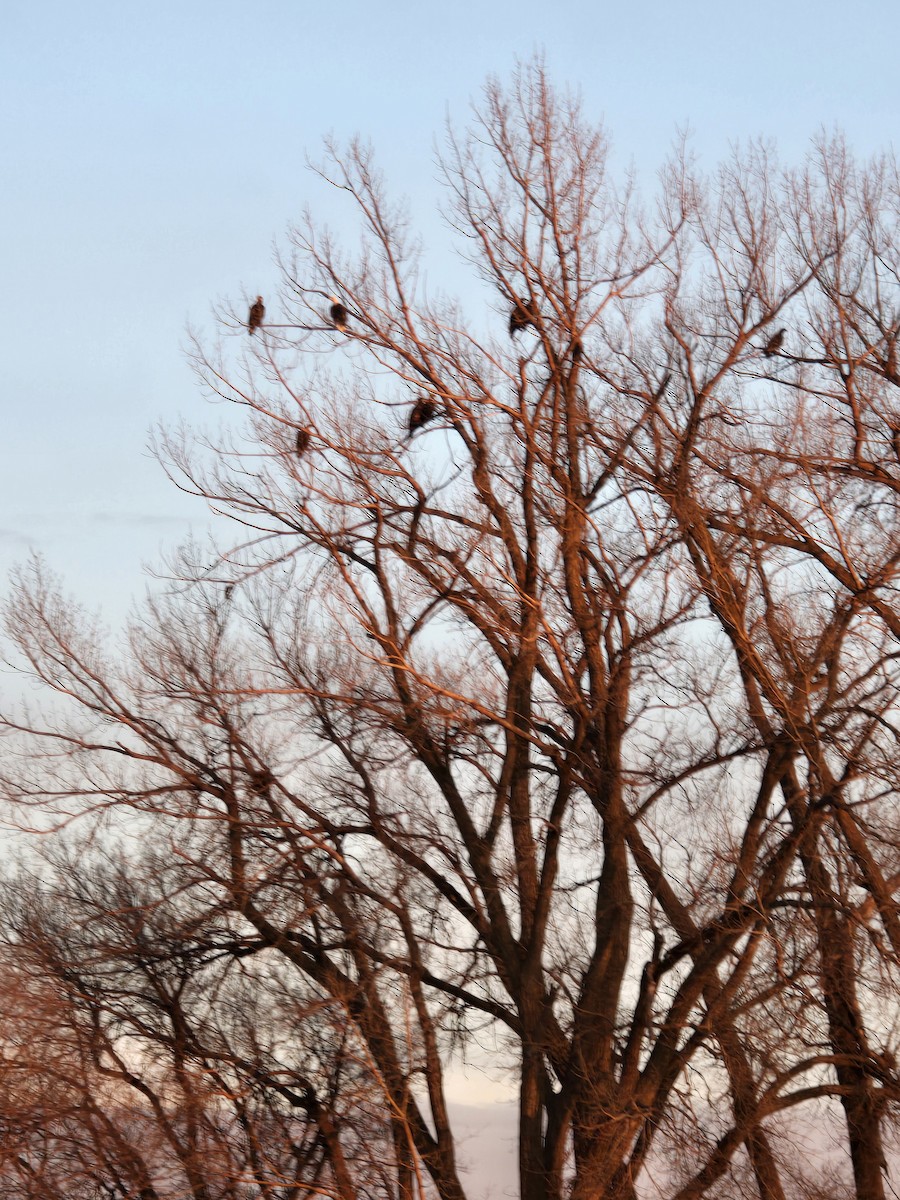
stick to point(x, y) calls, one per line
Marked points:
point(423, 411)
point(302, 443)
point(338, 315)
point(523, 315)
point(255, 317)
point(774, 344)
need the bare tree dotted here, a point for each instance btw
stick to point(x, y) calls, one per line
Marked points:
point(146, 1055)
point(545, 710)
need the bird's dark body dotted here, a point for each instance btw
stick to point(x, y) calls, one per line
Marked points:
point(774, 344)
point(423, 411)
point(256, 315)
point(302, 443)
point(521, 317)
point(338, 314)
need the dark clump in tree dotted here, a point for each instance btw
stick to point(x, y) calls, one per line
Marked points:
point(301, 442)
point(774, 344)
point(256, 315)
point(338, 315)
point(562, 746)
point(524, 313)
point(424, 410)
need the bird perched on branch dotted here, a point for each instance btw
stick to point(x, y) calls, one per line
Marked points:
point(774, 344)
point(423, 411)
point(338, 314)
point(523, 315)
point(302, 443)
point(256, 314)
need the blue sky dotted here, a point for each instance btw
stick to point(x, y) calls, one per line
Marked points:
point(153, 153)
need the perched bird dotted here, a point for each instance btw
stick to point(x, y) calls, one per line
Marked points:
point(255, 318)
point(423, 411)
point(774, 344)
point(338, 315)
point(302, 443)
point(577, 352)
point(522, 316)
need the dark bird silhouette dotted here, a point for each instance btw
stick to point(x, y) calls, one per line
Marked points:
point(338, 314)
point(774, 344)
point(302, 443)
point(423, 411)
point(577, 352)
point(255, 317)
point(523, 315)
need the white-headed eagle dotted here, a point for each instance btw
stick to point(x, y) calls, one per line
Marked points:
point(338, 314)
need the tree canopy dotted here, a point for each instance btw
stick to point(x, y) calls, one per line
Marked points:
point(541, 715)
